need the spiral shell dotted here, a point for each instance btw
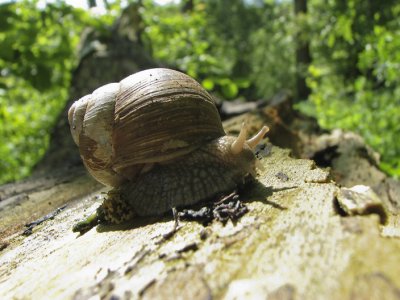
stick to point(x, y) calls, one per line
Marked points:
point(150, 117)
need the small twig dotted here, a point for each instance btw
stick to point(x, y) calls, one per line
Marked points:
point(169, 234)
point(176, 217)
point(225, 198)
point(33, 224)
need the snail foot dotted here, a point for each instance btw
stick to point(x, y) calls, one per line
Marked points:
point(116, 210)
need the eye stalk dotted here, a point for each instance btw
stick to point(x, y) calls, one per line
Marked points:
point(238, 145)
point(255, 140)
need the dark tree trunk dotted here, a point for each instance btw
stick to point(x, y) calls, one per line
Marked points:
point(187, 6)
point(303, 56)
point(92, 3)
point(106, 4)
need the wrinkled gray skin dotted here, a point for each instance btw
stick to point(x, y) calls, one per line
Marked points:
point(201, 175)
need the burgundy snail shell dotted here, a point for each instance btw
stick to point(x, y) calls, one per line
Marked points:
point(157, 138)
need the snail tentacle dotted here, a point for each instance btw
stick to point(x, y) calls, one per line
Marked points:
point(255, 140)
point(238, 144)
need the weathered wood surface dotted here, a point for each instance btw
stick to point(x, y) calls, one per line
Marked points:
point(294, 243)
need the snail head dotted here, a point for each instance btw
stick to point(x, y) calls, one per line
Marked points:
point(243, 149)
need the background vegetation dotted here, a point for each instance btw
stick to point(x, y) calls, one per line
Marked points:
point(235, 48)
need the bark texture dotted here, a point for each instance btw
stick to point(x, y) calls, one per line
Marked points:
point(294, 243)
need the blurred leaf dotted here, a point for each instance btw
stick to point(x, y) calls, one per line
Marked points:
point(230, 90)
point(208, 84)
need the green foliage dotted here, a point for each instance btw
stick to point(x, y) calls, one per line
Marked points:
point(36, 60)
point(186, 41)
point(181, 39)
point(234, 48)
point(272, 59)
point(354, 74)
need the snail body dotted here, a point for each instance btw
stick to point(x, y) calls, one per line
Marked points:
point(157, 138)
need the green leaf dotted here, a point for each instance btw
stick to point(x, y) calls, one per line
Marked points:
point(208, 84)
point(230, 90)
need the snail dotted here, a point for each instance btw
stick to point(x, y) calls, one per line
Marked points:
point(156, 137)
